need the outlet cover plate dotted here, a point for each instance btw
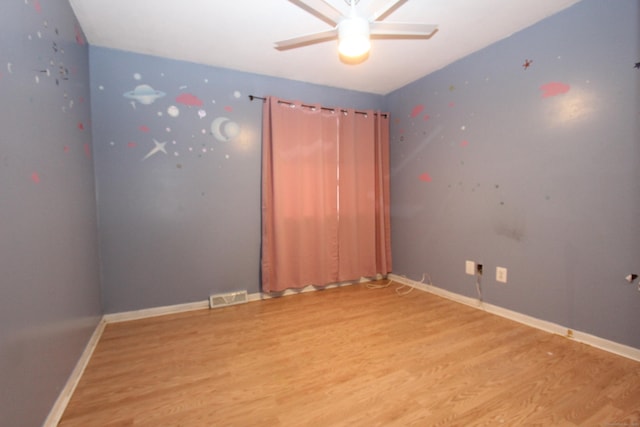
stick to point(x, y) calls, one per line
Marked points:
point(470, 268)
point(501, 274)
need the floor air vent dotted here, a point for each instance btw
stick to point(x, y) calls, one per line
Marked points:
point(230, 298)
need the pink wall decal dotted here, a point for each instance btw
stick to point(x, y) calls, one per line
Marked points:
point(37, 6)
point(189, 99)
point(87, 150)
point(425, 177)
point(426, 117)
point(554, 89)
point(143, 128)
point(464, 143)
point(417, 110)
point(66, 148)
point(80, 126)
point(79, 37)
point(131, 144)
point(35, 177)
point(228, 108)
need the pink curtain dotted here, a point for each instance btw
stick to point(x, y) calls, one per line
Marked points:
point(325, 195)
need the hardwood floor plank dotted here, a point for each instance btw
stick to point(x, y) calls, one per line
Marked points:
point(347, 357)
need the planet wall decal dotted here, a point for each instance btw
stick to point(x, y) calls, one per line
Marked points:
point(173, 111)
point(144, 94)
point(223, 129)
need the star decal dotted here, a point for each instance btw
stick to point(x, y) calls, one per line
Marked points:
point(527, 63)
point(159, 147)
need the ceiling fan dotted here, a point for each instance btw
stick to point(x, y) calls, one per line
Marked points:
point(353, 31)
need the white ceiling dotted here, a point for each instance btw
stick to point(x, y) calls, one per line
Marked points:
point(239, 34)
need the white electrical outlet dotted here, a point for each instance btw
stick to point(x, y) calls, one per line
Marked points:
point(501, 274)
point(470, 268)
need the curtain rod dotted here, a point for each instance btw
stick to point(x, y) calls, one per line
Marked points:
point(252, 97)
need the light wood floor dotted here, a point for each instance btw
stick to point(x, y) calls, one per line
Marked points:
point(349, 357)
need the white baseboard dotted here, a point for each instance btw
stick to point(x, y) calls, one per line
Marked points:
point(199, 305)
point(554, 328)
point(155, 311)
point(62, 401)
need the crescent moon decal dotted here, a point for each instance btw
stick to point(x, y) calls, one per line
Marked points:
point(223, 129)
point(216, 128)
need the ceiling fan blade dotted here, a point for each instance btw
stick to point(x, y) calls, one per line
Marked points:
point(402, 29)
point(386, 10)
point(307, 39)
point(321, 10)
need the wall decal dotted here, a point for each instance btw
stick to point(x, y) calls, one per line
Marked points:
point(35, 177)
point(417, 110)
point(189, 99)
point(79, 36)
point(202, 114)
point(426, 117)
point(425, 177)
point(228, 108)
point(554, 89)
point(144, 94)
point(237, 94)
point(527, 63)
point(87, 150)
point(159, 146)
point(223, 129)
point(137, 76)
point(452, 88)
point(37, 6)
point(143, 128)
point(131, 144)
point(637, 65)
point(464, 143)
point(173, 111)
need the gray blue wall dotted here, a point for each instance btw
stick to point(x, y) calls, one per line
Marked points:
point(49, 290)
point(536, 169)
point(177, 149)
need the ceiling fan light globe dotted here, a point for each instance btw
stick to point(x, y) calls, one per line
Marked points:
point(353, 37)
